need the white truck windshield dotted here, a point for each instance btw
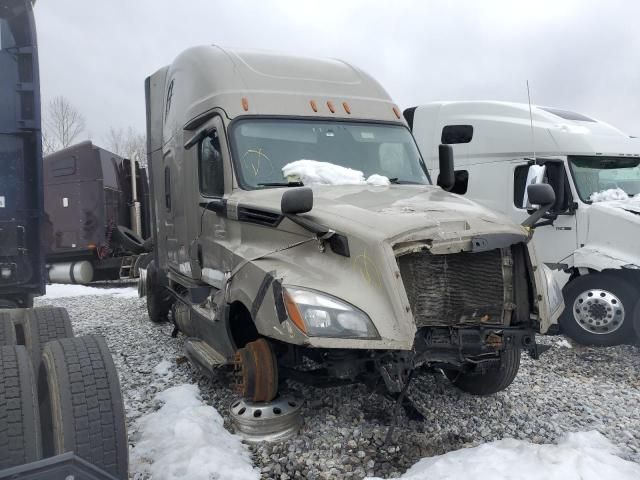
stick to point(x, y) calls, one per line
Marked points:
point(261, 147)
point(596, 174)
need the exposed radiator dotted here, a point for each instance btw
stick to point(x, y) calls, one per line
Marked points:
point(459, 288)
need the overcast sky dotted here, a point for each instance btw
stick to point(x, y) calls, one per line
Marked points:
point(579, 55)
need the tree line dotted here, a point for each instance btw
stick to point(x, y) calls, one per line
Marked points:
point(64, 125)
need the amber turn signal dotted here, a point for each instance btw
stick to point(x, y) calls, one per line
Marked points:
point(294, 312)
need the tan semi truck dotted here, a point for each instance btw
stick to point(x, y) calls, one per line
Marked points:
point(272, 254)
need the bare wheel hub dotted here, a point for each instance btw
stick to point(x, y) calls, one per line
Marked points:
point(267, 421)
point(598, 311)
point(257, 371)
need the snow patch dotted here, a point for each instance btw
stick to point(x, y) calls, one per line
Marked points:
point(186, 439)
point(59, 290)
point(564, 343)
point(577, 456)
point(610, 194)
point(313, 172)
point(163, 368)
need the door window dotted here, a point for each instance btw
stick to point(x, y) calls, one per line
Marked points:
point(210, 167)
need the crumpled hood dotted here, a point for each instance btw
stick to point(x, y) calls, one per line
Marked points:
point(603, 218)
point(632, 205)
point(393, 212)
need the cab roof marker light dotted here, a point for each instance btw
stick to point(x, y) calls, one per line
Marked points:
point(346, 107)
point(332, 109)
point(397, 112)
point(245, 104)
point(314, 106)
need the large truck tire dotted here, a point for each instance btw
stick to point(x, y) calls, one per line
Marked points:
point(20, 441)
point(128, 239)
point(491, 380)
point(81, 406)
point(41, 325)
point(159, 300)
point(636, 320)
point(599, 309)
point(7, 330)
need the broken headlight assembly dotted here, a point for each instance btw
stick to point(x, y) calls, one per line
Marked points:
point(554, 292)
point(320, 315)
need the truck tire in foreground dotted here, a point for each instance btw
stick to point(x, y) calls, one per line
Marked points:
point(7, 330)
point(599, 309)
point(636, 320)
point(493, 380)
point(159, 300)
point(19, 420)
point(81, 406)
point(41, 325)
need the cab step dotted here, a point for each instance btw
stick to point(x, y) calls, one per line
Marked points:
point(127, 267)
point(201, 354)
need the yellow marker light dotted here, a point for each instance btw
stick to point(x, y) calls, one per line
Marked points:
point(294, 313)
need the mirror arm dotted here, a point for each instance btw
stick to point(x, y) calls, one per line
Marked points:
point(537, 215)
point(314, 227)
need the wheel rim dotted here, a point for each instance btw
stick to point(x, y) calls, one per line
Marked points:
point(598, 311)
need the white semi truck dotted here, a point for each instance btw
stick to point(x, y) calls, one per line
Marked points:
point(591, 233)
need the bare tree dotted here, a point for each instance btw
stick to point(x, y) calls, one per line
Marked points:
point(62, 125)
point(127, 143)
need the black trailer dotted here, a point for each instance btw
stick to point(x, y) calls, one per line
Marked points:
point(21, 262)
point(53, 385)
point(96, 206)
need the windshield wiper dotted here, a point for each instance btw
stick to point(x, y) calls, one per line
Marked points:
point(281, 184)
point(396, 181)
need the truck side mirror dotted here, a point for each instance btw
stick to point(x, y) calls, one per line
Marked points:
point(296, 200)
point(535, 175)
point(539, 194)
point(446, 177)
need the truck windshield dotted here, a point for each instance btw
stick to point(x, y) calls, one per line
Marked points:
point(262, 147)
point(596, 174)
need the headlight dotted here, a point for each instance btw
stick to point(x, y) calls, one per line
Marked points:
point(554, 292)
point(321, 315)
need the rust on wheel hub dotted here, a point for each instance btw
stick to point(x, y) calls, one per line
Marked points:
point(257, 371)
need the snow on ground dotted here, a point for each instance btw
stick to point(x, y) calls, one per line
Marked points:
point(163, 368)
point(59, 290)
point(577, 456)
point(186, 439)
point(312, 172)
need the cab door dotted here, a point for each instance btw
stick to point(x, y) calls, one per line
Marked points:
point(207, 220)
point(556, 240)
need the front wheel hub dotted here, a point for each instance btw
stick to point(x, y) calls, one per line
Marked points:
point(257, 371)
point(598, 311)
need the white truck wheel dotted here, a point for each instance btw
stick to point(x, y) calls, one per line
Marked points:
point(598, 309)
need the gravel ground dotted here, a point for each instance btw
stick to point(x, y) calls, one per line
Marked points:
point(568, 389)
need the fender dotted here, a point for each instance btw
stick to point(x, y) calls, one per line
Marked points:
point(602, 258)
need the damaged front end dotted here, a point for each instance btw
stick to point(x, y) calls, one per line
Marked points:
point(469, 308)
point(474, 303)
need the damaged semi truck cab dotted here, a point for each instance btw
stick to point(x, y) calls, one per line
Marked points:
point(589, 236)
point(294, 221)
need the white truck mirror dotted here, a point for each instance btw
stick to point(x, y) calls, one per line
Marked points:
point(535, 175)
